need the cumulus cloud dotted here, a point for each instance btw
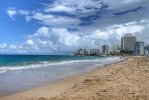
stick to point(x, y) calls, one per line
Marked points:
point(59, 39)
point(43, 32)
point(63, 39)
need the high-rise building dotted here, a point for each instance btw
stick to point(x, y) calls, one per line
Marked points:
point(105, 49)
point(80, 52)
point(115, 48)
point(146, 50)
point(127, 42)
point(139, 48)
point(97, 51)
point(84, 52)
point(94, 52)
point(91, 51)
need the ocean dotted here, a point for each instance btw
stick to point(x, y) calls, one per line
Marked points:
point(23, 72)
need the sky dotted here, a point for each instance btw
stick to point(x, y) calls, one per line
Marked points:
point(63, 26)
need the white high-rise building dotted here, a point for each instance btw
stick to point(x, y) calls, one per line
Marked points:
point(127, 42)
point(139, 48)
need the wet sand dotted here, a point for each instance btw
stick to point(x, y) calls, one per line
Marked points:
point(127, 80)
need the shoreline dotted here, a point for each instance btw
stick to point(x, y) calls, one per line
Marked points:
point(51, 87)
point(7, 93)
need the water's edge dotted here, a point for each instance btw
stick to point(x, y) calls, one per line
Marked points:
point(32, 75)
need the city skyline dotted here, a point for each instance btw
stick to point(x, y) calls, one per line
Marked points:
point(129, 46)
point(62, 26)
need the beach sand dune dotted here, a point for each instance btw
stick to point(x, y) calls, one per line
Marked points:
point(127, 80)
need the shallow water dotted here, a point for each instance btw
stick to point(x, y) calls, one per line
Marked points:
point(20, 77)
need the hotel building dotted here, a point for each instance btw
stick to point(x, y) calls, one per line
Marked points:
point(127, 42)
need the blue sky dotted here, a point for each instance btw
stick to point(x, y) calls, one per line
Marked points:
point(62, 26)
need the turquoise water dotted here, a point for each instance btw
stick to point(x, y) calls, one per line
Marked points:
point(23, 72)
point(14, 62)
point(6, 60)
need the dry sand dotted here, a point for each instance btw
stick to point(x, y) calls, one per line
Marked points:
point(127, 80)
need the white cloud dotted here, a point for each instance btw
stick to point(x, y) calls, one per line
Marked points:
point(23, 12)
point(43, 32)
point(30, 42)
point(59, 8)
point(64, 37)
point(28, 18)
point(11, 12)
point(13, 47)
point(124, 5)
point(122, 29)
point(59, 39)
point(56, 21)
point(3, 46)
point(100, 35)
point(76, 7)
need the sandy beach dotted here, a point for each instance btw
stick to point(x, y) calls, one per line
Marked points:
point(127, 80)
